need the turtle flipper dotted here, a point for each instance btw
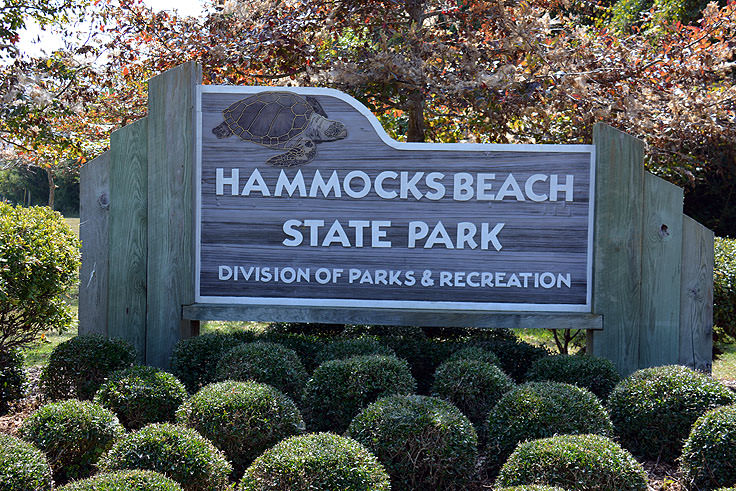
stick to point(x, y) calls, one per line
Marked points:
point(316, 106)
point(300, 154)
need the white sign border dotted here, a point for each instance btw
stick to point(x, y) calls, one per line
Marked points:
point(402, 304)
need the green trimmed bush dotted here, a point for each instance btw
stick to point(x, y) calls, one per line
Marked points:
point(340, 349)
point(654, 408)
point(515, 357)
point(39, 254)
point(177, 452)
point(242, 419)
point(316, 462)
point(142, 395)
point(424, 442)
point(709, 455)
point(77, 367)
point(12, 378)
point(125, 481)
point(23, 467)
point(73, 434)
point(340, 389)
point(598, 375)
point(306, 346)
point(578, 462)
point(473, 386)
point(724, 285)
point(267, 363)
point(194, 360)
point(475, 353)
point(538, 410)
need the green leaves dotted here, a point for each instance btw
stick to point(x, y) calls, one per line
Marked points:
point(39, 260)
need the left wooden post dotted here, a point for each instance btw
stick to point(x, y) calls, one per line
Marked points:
point(94, 207)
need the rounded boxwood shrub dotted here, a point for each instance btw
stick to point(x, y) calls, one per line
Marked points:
point(471, 385)
point(39, 254)
point(515, 357)
point(339, 389)
point(538, 410)
point(267, 363)
point(194, 360)
point(23, 467)
point(142, 395)
point(654, 408)
point(475, 353)
point(73, 434)
point(316, 462)
point(125, 481)
point(598, 375)
point(305, 328)
point(709, 455)
point(340, 349)
point(306, 346)
point(424, 442)
point(242, 419)
point(179, 453)
point(77, 367)
point(578, 462)
point(12, 378)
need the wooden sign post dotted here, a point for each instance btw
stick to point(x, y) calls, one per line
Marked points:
point(292, 204)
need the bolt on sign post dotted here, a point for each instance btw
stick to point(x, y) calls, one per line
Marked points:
point(292, 204)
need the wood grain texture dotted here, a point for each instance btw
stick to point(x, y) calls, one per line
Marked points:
point(94, 203)
point(247, 231)
point(391, 317)
point(696, 296)
point(661, 256)
point(170, 265)
point(128, 235)
point(618, 245)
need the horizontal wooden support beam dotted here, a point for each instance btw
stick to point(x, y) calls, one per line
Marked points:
point(398, 317)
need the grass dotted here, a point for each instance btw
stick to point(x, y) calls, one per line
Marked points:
point(724, 367)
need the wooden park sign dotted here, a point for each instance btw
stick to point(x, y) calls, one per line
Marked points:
point(302, 199)
point(292, 204)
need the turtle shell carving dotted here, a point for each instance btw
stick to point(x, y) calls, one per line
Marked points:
point(281, 120)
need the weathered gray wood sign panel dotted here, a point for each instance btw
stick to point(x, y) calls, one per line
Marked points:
point(304, 200)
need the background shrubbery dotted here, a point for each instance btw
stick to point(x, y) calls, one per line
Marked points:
point(40, 260)
point(598, 375)
point(724, 286)
point(12, 378)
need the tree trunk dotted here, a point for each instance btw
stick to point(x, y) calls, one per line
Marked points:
point(416, 117)
point(52, 186)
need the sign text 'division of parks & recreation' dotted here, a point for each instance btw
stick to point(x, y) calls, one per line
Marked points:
point(303, 199)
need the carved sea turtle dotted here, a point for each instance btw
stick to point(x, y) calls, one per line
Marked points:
point(281, 120)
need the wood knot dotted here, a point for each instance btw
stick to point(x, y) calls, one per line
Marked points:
point(103, 201)
point(664, 231)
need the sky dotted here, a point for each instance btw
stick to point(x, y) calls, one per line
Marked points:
point(50, 42)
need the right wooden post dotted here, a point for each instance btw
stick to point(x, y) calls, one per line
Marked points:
point(653, 273)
